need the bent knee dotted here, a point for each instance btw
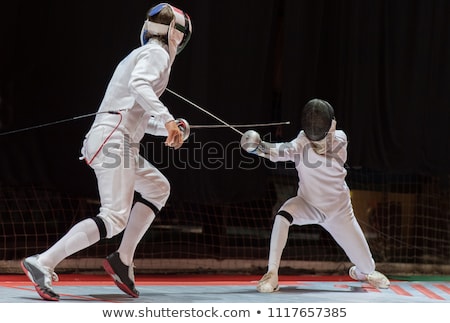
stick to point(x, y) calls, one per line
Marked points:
point(157, 194)
point(165, 189)
point(113, 224)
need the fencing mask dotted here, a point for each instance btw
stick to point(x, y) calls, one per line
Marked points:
point(316, 119)
point(178, 32)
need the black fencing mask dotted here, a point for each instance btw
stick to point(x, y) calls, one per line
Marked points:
point(316, 119)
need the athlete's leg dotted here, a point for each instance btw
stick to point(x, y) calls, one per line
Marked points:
point(116, 186)
point(280, 230)
point(152, 192)
point(347, 232)
point(294, 211)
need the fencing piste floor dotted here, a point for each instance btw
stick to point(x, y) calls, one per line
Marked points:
point(229, 289)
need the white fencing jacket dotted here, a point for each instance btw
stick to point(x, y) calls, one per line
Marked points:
point(135, 88)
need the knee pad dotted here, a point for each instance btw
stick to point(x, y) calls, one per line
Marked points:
point(286, 215)
point(109, 225)
point(101, 226)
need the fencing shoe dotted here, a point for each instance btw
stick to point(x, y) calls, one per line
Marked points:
point(268, 283)
point(375, 278)
point(41, 276)
point(122, 274)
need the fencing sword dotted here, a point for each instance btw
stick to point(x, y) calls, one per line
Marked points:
point(58, 122)
point(248, 125)
point(223, 124)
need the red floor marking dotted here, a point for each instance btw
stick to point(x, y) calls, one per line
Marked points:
point(400, 291)
point(443, 288)
point(158, 280)
point(345, 286)
point(370, 288)
point(84, 298)
point(427, 292)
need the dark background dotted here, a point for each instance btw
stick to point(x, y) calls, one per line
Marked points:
point(383, 65)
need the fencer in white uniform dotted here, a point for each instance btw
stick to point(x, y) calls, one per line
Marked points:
point(323, 197)
point(132, 191)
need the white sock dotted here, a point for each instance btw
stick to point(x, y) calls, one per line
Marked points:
point(141, 217)
point(82, 235)
point(278, 239)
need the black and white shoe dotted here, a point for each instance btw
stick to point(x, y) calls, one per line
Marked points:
point(122, 274)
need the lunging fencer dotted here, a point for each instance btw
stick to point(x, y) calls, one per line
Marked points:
point(323, 198)
point(132, 191)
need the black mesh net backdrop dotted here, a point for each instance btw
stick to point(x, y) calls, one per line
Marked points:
point(404, 217)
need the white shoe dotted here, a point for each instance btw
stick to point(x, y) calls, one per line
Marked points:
point(375, 278)
point(268, 283)
point(378, 280)
point(41, 276)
